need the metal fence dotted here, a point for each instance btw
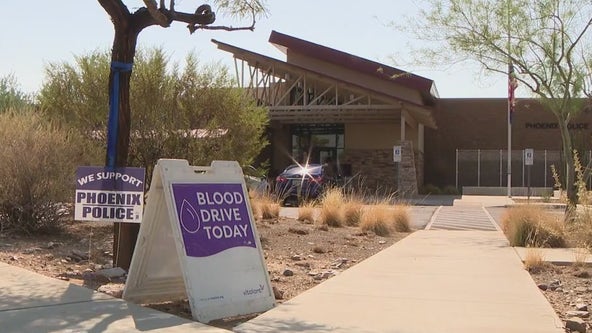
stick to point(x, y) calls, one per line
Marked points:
point(480, 167)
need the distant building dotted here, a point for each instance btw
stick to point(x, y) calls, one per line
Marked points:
point(327, 103)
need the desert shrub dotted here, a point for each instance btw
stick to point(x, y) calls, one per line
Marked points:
point(401, 218)
point(580, 228)
point(450, 190)
point(352, 212)
point(331, 213)
point(255, 206)
point(39, 161)
point(306, 213)
point(533, 261)
point(268, 207)
point(331, 216)
point(430, 189)
point(383, 219)
point(375, 218)
point(529, 225)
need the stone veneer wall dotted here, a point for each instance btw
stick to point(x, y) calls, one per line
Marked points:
point(375, 167)
point(408, 172)
point(377, 171)
point(419, 166)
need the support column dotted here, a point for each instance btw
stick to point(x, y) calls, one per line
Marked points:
point(403, 125)
point(420, 138)
point(420, 164)
point(407, 183)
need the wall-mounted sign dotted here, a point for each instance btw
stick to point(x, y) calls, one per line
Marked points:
point(572, 126)
point(110, 195)
point(528, 156)
point(198, 240)
point(397, 154)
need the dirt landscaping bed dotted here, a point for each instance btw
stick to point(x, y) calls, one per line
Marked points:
point(299, 256)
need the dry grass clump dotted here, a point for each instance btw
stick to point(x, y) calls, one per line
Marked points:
point(581, 256)
point(533, 261)
point(352, 213)
point(255, 206)
point(580, 228)
point(331, 213)
point(375, 219)
point(331, 216)
point(306, 213)
point(384, 219)
point(401, 218)
point(529, 225)
point(265, 207)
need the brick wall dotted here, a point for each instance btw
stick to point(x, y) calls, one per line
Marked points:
point(482, 124)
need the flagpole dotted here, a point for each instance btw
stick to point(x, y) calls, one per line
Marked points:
point(509, 148)
point(509, 112)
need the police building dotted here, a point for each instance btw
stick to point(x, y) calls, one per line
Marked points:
point(327, 103)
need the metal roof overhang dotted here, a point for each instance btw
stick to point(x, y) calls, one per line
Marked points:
point(388, 109)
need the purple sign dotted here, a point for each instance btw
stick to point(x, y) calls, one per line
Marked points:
point(212, 217)
point(103, 179)
point(111, 195)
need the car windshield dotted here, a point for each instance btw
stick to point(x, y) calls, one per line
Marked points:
point(296, 170)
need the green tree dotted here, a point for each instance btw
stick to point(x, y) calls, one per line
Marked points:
point(547, 41)
point(11, 96)
point(192, 113)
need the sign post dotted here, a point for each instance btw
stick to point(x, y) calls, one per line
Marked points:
point(198, 240)
point(528, 161)
point(397, 159)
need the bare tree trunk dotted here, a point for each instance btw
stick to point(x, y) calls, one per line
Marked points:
point(124, 50)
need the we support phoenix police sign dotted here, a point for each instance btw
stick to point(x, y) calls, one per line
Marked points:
point(115, 195)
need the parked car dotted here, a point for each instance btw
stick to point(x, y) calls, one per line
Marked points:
point(300, 182)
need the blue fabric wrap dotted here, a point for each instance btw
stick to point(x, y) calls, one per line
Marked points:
point(113, 122)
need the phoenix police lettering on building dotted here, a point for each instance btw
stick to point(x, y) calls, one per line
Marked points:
point(109, 195)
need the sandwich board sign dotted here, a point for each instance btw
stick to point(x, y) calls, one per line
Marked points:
point(198, 240)
point(109, 195)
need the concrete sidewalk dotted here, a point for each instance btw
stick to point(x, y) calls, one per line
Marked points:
point(33, 303)
point(431, 281)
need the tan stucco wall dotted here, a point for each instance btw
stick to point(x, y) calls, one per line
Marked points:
point(411, 135)
point(371, 136)
point(376, 135)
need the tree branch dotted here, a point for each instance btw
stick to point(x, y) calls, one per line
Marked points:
point(158, 15)
point(117, 11)
point(193, 28)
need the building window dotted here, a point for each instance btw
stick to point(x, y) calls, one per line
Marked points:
point(317, 142)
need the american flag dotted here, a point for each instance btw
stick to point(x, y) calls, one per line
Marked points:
point(512, 85)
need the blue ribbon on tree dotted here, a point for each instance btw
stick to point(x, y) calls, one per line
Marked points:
point(113, 123)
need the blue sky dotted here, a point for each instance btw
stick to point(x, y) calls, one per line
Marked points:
point(55, 31)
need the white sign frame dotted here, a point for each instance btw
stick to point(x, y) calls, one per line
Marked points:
point(528, 156)
point(397, 154)
point(232, 282)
